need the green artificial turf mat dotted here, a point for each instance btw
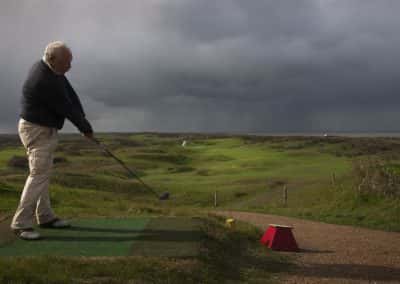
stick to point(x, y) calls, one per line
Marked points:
point(89, 237)
point(169, 236)
point(165, 236)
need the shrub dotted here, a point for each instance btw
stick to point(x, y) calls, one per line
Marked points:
point(203, 172)
point(18, 162)
point(182, 169)
point(23, 163)
point(375, 176)
point(129, 143)
point(276, 183)
point(178, 159)
point(240, 194)
point(59, 160)
point(219, 158)
point(70, 150)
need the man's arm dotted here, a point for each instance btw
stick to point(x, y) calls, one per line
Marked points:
point(60, 103)
point(76, 103)
point(73, 96)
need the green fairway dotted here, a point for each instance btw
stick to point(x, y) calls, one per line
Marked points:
point(112, 237)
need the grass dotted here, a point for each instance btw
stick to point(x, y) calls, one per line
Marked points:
point(81, 270)
point(247, 172)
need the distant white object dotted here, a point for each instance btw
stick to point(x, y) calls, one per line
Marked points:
point(184, 143)
point(326, 135)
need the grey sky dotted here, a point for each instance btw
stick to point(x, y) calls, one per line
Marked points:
point(223, 65)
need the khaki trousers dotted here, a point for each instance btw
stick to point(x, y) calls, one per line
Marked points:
point(40, 143)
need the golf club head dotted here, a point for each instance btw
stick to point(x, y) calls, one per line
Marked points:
point(164, 196)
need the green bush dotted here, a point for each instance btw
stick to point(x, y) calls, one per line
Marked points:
point(374, 176)
point(18, 162)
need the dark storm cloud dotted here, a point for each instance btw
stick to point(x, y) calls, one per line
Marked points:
point(226, 65)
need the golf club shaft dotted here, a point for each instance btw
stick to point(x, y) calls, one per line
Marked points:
point(133, 174)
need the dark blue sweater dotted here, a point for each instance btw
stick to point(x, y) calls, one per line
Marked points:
point(48, 98)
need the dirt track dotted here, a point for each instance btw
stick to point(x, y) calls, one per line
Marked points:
point(335, 253)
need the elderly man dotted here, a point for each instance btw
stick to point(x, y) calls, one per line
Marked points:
point(48, 98)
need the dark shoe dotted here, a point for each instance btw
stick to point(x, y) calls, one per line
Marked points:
point(28, 234)
point(56, 224)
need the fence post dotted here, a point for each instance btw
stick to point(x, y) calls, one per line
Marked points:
point(285, 195)
point(215, 199)
point(333, 179)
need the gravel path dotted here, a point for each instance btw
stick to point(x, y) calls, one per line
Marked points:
point(335, 253)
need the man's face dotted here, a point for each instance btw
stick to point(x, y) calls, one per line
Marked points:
point(62, 62)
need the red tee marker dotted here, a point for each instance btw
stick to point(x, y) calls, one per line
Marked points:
point(279, 237)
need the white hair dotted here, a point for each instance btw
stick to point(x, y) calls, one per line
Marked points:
point(53, 49)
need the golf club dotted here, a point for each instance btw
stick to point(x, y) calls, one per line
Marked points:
point(163, 196)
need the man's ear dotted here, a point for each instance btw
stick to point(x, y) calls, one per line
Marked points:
point(51, 59)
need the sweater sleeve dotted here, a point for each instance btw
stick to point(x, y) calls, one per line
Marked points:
point(73, 96)
point(59, 101)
